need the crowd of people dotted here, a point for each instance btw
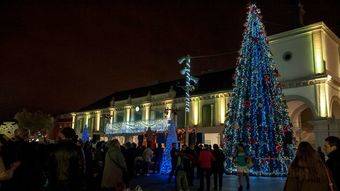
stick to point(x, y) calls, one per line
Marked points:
point(69, 164)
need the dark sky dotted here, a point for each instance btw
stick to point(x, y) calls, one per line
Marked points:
point(60, 55)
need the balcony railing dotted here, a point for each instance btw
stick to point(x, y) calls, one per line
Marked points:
point(133, 127)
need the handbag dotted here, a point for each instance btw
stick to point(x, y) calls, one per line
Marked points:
point(330, 182)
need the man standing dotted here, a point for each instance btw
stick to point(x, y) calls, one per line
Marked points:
point(173, 154)
point(205, 161)
point(332, 149)
point(218, 167)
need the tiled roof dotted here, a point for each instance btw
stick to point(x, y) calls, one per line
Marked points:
point(209, 82)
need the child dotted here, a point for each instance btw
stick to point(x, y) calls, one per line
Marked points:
point(242, 162)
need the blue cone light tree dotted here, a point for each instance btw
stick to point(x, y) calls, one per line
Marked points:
point(171, 138)
point(85, 134)
point(257, 117)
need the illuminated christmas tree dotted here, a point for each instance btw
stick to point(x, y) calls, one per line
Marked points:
point(257, 116)
point(171, 138)
point(85, 134)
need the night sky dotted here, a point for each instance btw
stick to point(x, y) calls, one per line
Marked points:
point(60, 55)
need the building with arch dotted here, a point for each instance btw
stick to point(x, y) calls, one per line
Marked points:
point(309, 64)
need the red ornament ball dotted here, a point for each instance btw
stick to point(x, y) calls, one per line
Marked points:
point(278, 148)
point(246, 103)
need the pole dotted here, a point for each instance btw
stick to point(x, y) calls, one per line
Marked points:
point(186, 129)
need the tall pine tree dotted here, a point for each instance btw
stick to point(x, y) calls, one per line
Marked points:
point(257, 116)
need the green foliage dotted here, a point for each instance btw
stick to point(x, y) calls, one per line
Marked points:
point(34, 121)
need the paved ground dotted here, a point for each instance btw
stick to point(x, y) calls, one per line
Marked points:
point(230, 183)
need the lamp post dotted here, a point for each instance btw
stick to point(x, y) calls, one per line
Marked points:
point(190, 83)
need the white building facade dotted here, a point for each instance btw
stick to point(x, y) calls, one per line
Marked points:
point(309, 64)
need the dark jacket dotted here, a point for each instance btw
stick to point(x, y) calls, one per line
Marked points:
point(66, 166)
point(173, 154)
point(29, 175)
point(218, 164)
point(333, 164)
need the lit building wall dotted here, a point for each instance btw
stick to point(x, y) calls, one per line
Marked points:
point(194, 111)
point(318, 53)
point(168, 105)
point(323, 99)
point(220, 109)
point(73, 120)
point(127, 116)
point(146, 112)
point(97, 127)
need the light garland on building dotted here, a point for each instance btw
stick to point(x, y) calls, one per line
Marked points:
point(136, 127)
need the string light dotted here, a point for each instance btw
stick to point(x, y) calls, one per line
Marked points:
point(190, 81)
point(257, 113)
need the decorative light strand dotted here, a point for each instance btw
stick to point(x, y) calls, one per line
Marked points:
point(190, 81)
point(257, 113)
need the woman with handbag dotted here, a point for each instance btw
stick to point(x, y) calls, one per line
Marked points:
point(115, 169)
point(307, 172)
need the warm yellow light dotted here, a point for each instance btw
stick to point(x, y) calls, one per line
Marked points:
point(194, 110)
point(73, 119)
point(329, 78)
point(87, 116)
point(146, 111)
point(128, 113)
point(97, 120)
point(323, 100)
point(318, 57)
point(111, 115)
point(168, 104)
point(222, 109)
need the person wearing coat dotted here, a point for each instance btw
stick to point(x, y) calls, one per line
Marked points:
point(307, 172)
point(332, 149)
point(114, 168)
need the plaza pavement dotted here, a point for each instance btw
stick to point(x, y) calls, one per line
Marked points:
point(156, 182)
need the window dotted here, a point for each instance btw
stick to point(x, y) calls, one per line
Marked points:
point(159, 114)
point(120, 117)
point(206, 115)
point(91, 124)
point(138, 115)
point(181, 118)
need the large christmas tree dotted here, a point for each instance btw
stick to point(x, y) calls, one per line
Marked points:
point(257, 116)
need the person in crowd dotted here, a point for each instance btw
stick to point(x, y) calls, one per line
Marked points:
point(67, 163)
point(307, 171)
point(147, 156)
point(6, 173)
point(181, 175)
point(130, 158)
point(158, 156)
point(139, 161)
point(88, 153)
point(332, 149)
point(218, 167)
point(190, 153)
point(98, 163)
point(114, 169)
point(173, 154)
point(30, 171)
point(242, 163)
point(321, 154)
point(198, 149)
point(205, 161)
